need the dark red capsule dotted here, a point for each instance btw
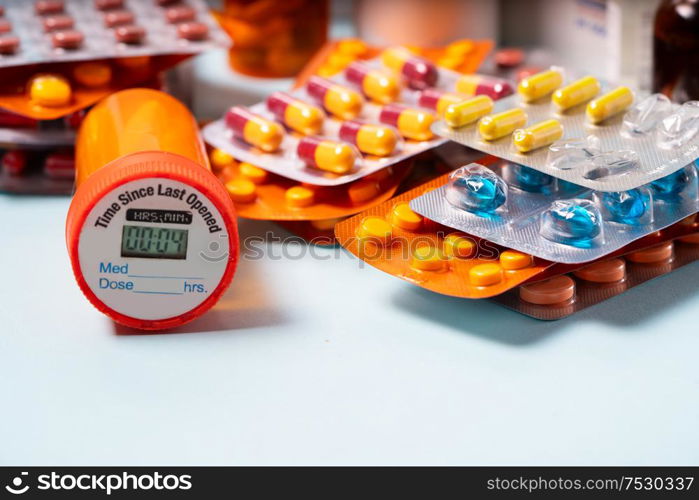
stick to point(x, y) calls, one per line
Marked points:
point(61, 22)
point(130, 34)
point(60, 165)
point(44, 7)
point(9, 44)
point(14, 162)
point(108, 4)
point(180, 14)
point(193, 31)
point(71, 39)
point(5, 26)
point(118, 18)
point(13, 120)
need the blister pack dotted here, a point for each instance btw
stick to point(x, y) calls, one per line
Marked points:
point(259, 194)
point(396, 240)
point(20, 131)
point(58, 57)
point(50, 31)
point(37, 171)
point(334, 131)
point(524, 209)
point(585, 132)
point(565, 294)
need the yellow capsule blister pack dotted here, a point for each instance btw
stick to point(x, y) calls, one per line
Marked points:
point(396, 240)
point(336, 130)
point(584, 131)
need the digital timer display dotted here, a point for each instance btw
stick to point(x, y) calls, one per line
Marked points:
point(154, 242)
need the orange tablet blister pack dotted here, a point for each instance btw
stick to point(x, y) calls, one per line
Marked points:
point(51, 91)
point(394, 239)
point(259, 194)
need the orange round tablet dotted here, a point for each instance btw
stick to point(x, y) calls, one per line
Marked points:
point(608, 271)
point(548, 292)
point(652, 255)
point(512, 260)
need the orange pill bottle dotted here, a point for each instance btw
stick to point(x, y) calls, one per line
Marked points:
point(151, 232)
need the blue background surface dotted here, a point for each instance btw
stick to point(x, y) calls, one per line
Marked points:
point(320, 360)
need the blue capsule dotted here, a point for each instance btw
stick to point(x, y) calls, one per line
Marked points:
point(531, 180)
point(627, 207)
point(477, 190)
point(669, 187)
point(573, 222)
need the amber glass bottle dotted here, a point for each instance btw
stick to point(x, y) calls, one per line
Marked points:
point(274, 38)
point(676, 49)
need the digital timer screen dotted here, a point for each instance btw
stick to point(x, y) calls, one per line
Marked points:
point(154, 242)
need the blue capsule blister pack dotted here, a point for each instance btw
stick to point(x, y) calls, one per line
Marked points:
point(526, 210)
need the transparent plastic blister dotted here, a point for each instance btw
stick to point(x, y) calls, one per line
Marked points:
point(161, 35)
point(629, 148)
point(285, 160)
point(526, 210)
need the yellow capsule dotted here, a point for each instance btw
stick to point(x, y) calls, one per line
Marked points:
point(253, 129)
point(377, 85)
point(501, 124)
point(375, 229)
point(404, 217)
point(609, 104)
point(93, 74)
point(578, 92)
point(241, 190)
point(459, 245)
point(512, 260)
point(335, 157)
point(377, 140)
point(468, 111)
point(485, 274)
point(342, 102)
point(412, 123)
point(220, 159)
point(428, 258)
point(50, 91)
point(299, 196)
point(304, 118)
point(253, 173)
point(363, 190)
point(539, 85)
point(538, 135)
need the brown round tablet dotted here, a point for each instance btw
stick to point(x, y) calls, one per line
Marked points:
point(548, 292)
point(652, 255)
point(131, 34)
point(193, 31)
point(118, 18)
point(60, 22)
point(180, 13)
point(9, 44)
point(108, 4)
point(691, 239)
point(44, 7)
point(5, 26)
point(608, 271)
point(71, 39)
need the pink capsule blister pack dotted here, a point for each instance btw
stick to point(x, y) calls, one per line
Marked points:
point(334, 131)
point(42, 31)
